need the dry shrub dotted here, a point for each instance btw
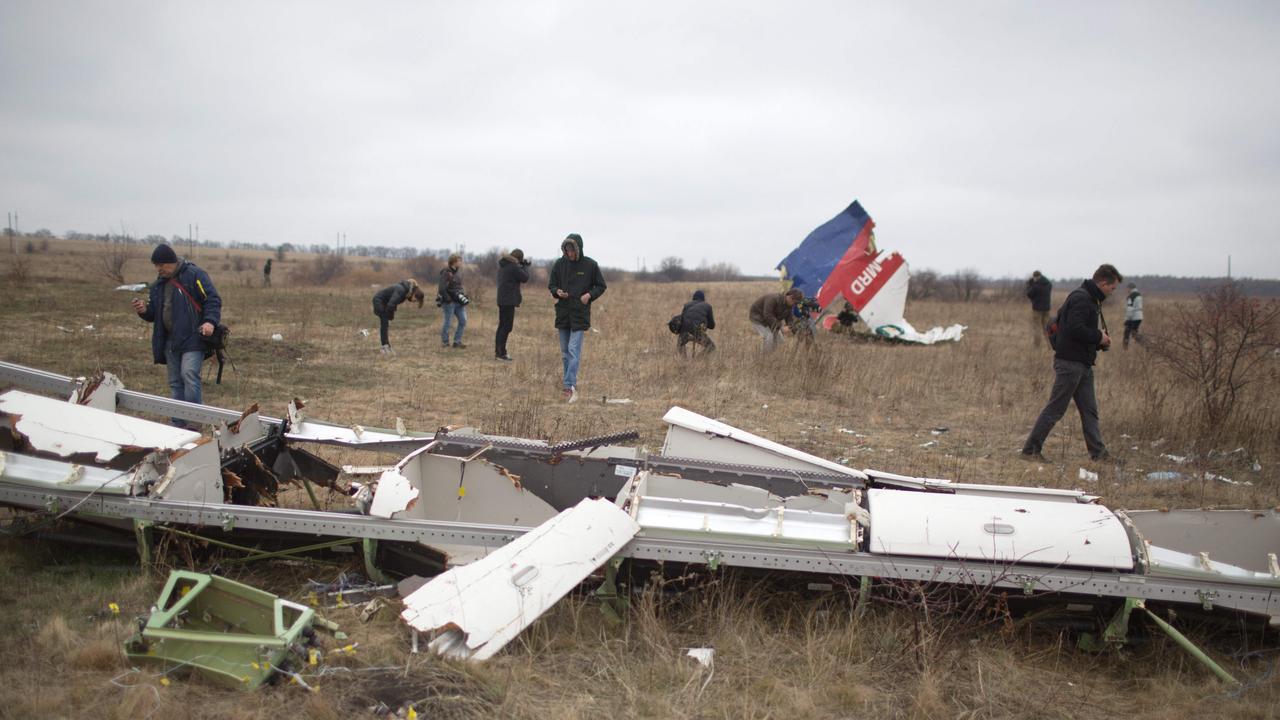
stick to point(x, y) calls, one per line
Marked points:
point(424, 268)
point(55, 636)
point(19, 269)
point(1221, 345)
point(322, 270)
point(113, 259)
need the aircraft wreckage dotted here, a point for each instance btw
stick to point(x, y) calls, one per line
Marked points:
point(508, 526)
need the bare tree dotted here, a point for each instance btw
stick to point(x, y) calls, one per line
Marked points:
point(1222, 344)
point(924, 284)
point(672, 268)
point(116, 254)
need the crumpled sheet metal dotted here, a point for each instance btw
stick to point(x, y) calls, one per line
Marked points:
point(66, 429)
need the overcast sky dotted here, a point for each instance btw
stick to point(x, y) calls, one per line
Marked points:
point(999, 136)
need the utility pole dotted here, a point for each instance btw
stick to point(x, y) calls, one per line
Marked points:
point(9, 231)
point(1228, 267)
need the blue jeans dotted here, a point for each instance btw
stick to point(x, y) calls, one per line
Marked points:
point(184, 374)
point(452, 310)
point(571, 354)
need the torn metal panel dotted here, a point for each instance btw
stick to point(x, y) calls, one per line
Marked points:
point(302, 429)
point(41, 472)
point(880, 477)
point(1243, 538)
point(248, 428)
point(98, 391)
point(675, 505)
point(1170, 563)
point(234, 634)
point(691, 435)
point(69, 430)
point(477, 609)
point(190, 475)
point(997, 529)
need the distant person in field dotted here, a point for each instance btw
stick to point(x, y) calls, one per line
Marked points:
point(266, 274)
point(575, 283)
point(696, 318)
point(184, 307)
point(1038, 290)
point(385, 302)
point(453, 300)
point(770, 315)
point(513, 271)
point(1132, 315)
point(1078, 341)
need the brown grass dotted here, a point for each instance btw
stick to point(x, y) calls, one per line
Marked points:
point(779, 652)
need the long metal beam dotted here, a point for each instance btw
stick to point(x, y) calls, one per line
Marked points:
point(712, 551)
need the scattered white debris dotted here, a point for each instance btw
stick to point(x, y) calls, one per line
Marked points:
point(62, 329)
point(277, 337)
point(617, 401)
point(765, 406)
point(87, 328)
point(939, 430)
point(595, 330)
point(136, 287)
point(1088, 476)
point(1157, 442)
point(1227, 480)
point(1179, 459)
point(705, 656)
point(1165, 475)
point(1257, 466)
point(931, 443)
point(363, 332)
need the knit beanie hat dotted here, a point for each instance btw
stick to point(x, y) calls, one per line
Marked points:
point(163, 254)
point(699, 295)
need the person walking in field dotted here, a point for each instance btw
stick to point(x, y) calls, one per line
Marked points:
point(1132, 315)
point(385, 302)
point(453, 300)
point(575, 283)
point(696, 318)
point(513, 271)
point(770, 315)
point(184, 308)
point(1038, 291)
point(266, 273)
point(1076, 347)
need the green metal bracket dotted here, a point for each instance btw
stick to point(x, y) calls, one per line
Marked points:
point(712, 557)
point(1206, 598)
point(612, 603)
point(234, 634)
point(371, 562)
point(1118, 629)
point(142, 533)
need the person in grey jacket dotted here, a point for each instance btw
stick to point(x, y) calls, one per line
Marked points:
point(385, 302)
point(696, 318)
point(1132, 315)
point(513, 271)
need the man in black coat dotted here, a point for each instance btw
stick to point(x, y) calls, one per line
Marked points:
point(1038, 291)
point(696, 318)
point(575, 282)
point(1075, 350)
point(385, 302)
point(513, 271)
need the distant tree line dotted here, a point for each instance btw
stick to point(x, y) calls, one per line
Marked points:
point(968, 285)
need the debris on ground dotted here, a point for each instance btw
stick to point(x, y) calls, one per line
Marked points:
point(1088, 476)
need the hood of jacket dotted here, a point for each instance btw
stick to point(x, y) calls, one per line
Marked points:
point(576, 240)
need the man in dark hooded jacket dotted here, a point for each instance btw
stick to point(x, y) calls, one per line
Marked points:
point(1075, 350)
point(696, 318)
point(575, 283)
point(184, 308)
point(513, 271)
point(1038, 291)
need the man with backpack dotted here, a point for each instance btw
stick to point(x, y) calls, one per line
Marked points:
point(1076, 342)
point(184, 309)
point(696, 318)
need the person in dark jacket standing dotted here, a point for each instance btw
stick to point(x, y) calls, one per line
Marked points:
point(513, 271)
point(575, 283)
point(453, 300)
point(1038, 291)
point(266, 273)
point(770, 315)
point(184, 307)
point(385, 302)
point(696, 318)
point(1075, 350)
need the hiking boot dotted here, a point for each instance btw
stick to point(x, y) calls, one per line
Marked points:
point(1103, 456)
point(460, 346)
point(1033, 457)
point(571, 394)
point(504, 358)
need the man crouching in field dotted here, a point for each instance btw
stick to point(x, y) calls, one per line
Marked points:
point(770, 314)
point(1075, 348)
point(575, 283)
point(183, 308)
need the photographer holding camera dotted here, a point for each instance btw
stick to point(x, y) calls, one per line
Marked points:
point(513, 271)
point(453, 300)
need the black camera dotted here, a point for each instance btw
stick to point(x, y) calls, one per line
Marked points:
point(525, 262)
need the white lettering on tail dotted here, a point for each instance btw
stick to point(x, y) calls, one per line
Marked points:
point(863, 281)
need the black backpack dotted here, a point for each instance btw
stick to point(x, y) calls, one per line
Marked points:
point(676, 323)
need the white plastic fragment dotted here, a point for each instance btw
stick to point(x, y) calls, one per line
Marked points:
point(277, 337)
point(475, 610)
point(135, 287)
point(1088, 476)
point(394, 494)
point(704, 655)
point(1164, 475)
point(1178, 459)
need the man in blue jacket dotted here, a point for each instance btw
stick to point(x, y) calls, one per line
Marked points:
point(1074, 351)
point(575, 282)
point(184, 308)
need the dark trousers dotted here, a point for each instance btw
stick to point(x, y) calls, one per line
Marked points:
point(698, 337)
point(383, 326)
point(1131, 331)
point(1072, 381)
point(506, 321)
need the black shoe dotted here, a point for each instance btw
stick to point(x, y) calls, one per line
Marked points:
point(1103, 456)
point(504, 358)
point(1033, 457)
point(460, 346)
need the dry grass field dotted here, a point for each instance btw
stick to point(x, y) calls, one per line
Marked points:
point(781, 650)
